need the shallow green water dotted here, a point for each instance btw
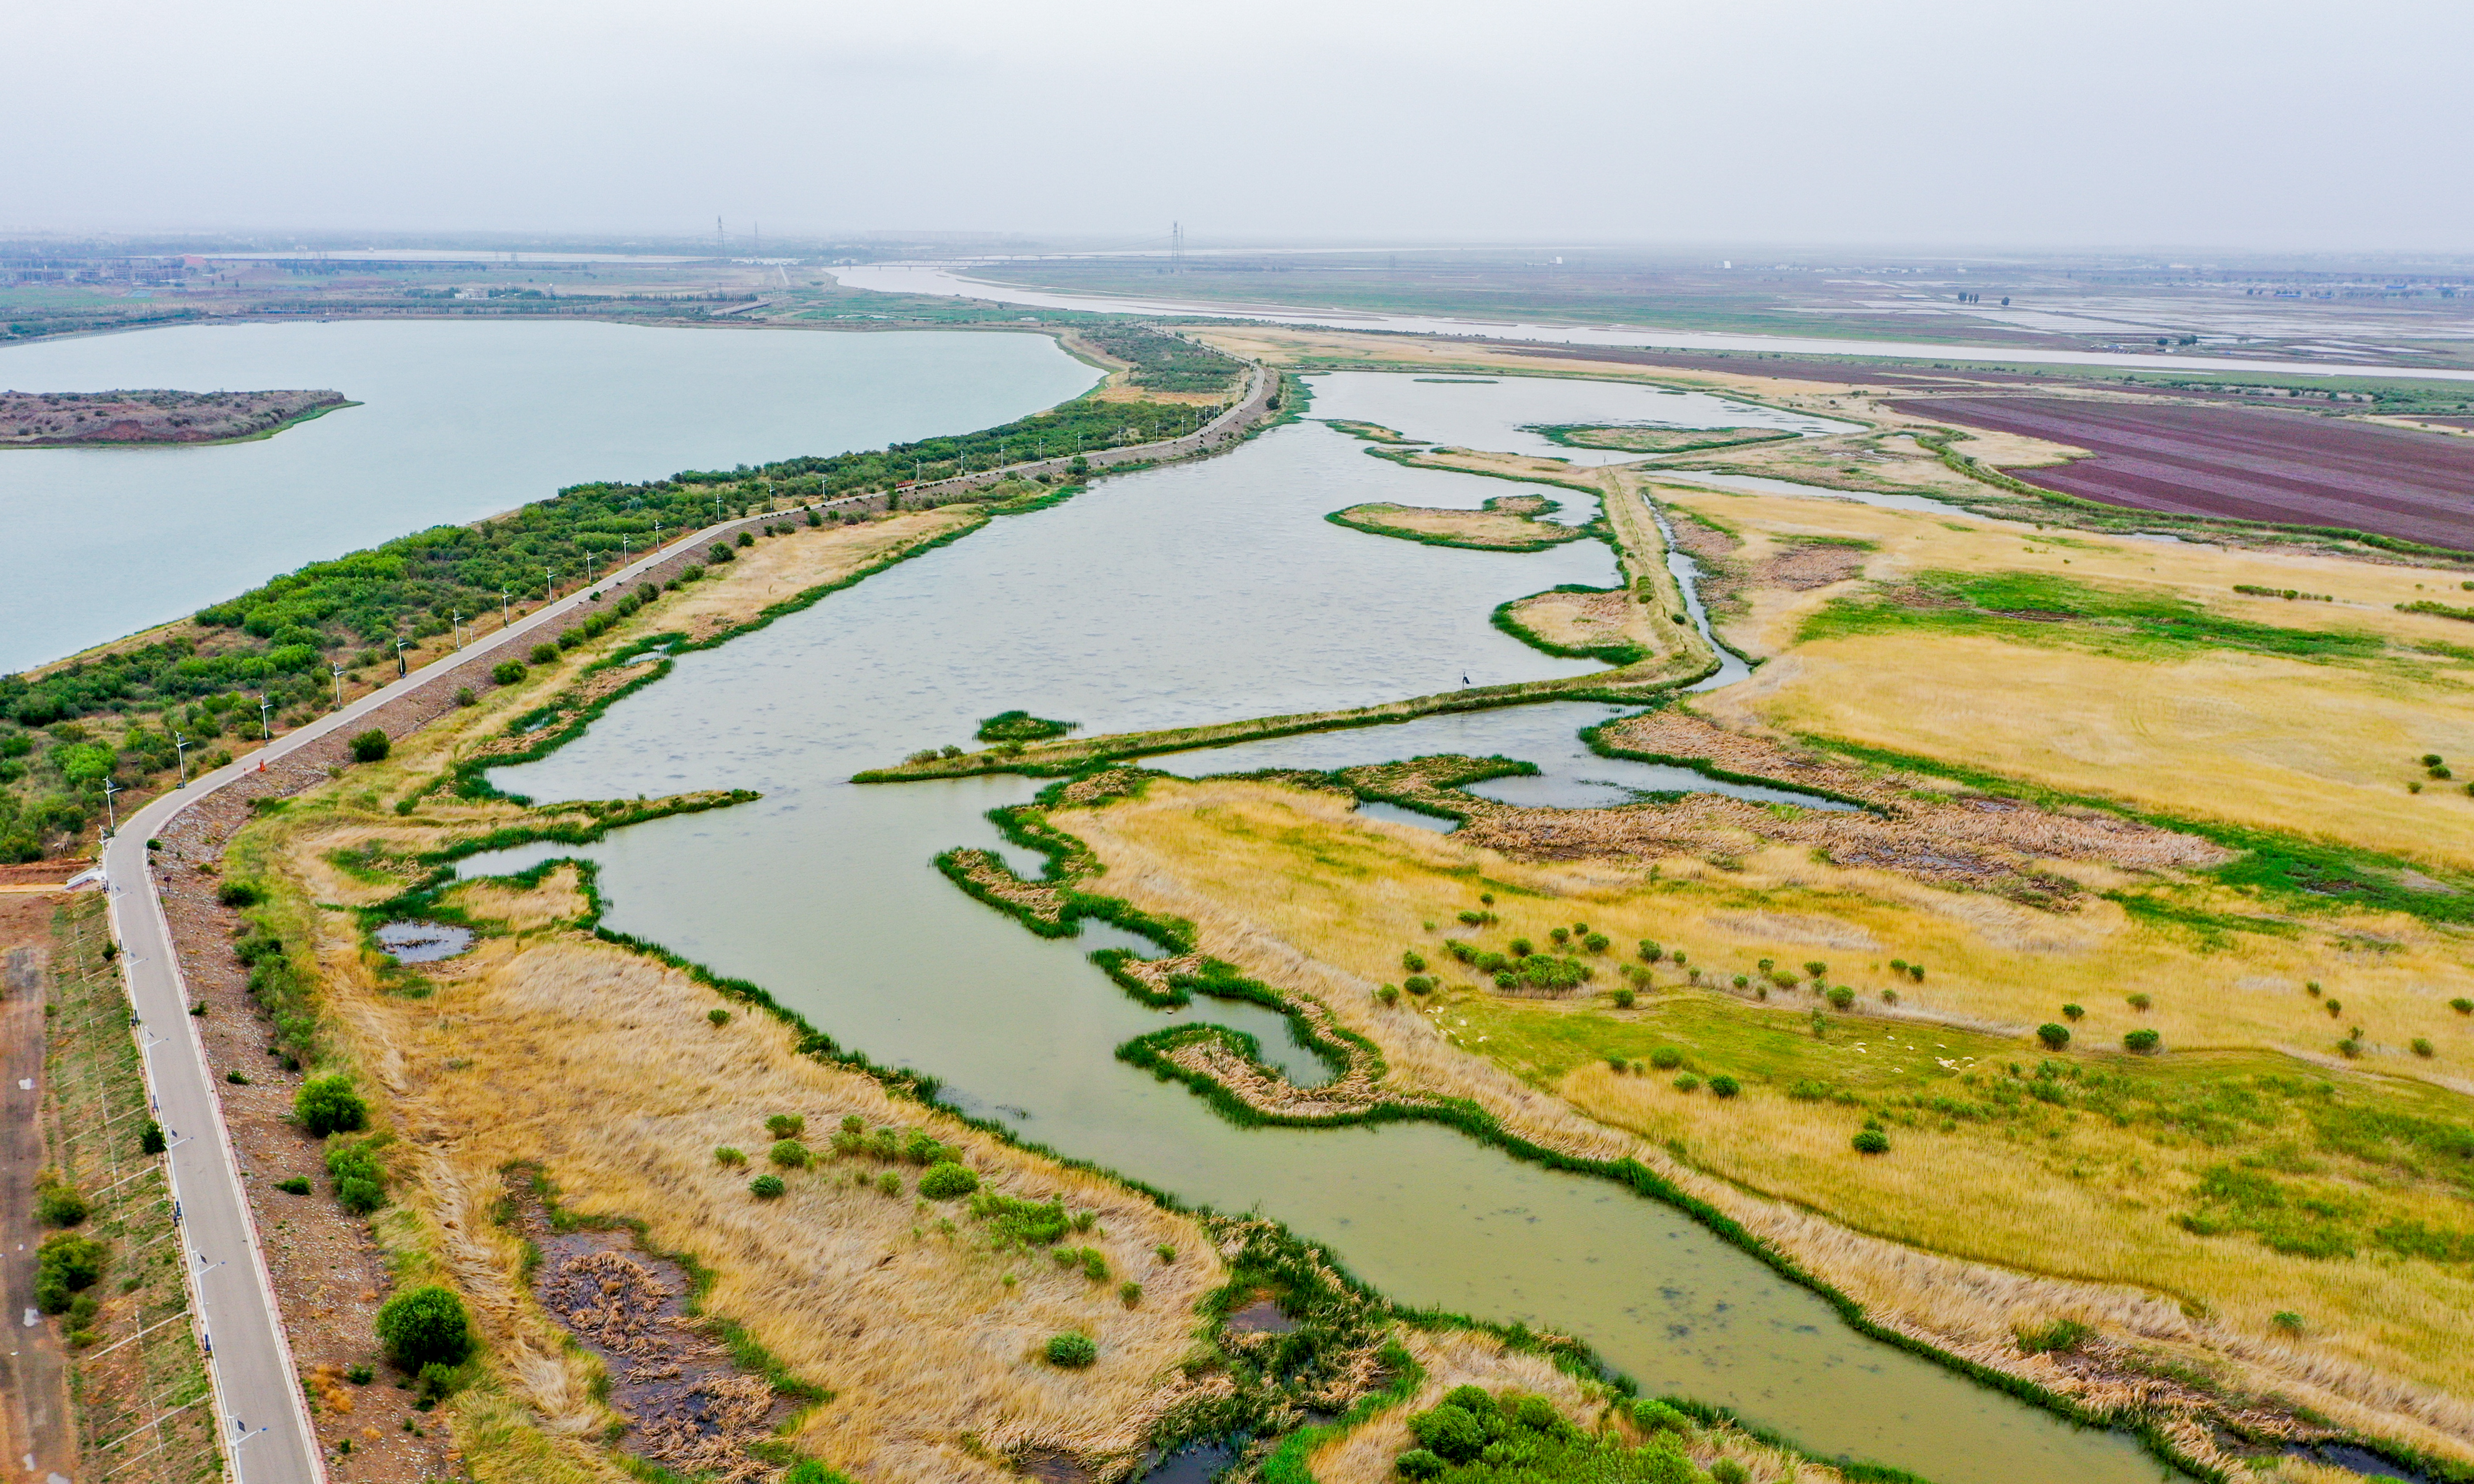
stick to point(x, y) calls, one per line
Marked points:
point(1179, 595)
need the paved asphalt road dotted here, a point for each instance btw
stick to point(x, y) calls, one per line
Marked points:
point(257, 1391)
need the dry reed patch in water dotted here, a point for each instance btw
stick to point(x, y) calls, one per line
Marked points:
point(1294, 889)
point(780, 567)
point(1594, 621)
point(601, 1067)
point(1506, 523)
point(558, 900)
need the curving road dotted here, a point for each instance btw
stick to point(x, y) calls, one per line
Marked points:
point(265, 1420)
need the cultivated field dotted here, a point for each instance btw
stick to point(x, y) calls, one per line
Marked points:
point(2291, 467)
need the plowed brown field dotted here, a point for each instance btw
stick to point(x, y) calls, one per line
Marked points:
point(2251, 464)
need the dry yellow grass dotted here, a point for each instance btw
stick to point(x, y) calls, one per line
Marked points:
point(784, 566)
point(1294, 887)
point(2323, 748)
point(600, 1066)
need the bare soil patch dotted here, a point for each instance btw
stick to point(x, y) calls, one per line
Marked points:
point(2249, 464)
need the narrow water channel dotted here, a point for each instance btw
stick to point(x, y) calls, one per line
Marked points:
point(1177, 595)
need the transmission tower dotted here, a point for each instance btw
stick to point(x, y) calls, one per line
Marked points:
point(1176, 247)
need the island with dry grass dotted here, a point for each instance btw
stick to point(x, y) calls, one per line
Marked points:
point(82, 420)
point(1508, 522)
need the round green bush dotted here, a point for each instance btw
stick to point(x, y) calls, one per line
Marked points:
point(1071, 1350)
point(2071, 1011)
point(149, 1138)
point(787, 1125)
point(370, 746)
point(1724, 1086)
point(1666, 1058)
point(1871, 1141)
point(2054, 1037)
point(1842, 996)
point(544, 654)
point(765, 1188)
point(425, 1325)
point(1686, 1082)
point(506, 672)
point(2140, 1041)
point(789, 1154)
point(328, 1105)
point(947, 1181)
point(1419, 1464)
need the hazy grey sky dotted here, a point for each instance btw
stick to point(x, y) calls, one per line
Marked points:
point(2268, 124)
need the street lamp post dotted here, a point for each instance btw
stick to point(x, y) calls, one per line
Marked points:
point(459, 628)
point(503, 620)
point(180, 750)
point(339, 684)
point(399, 671)
point(110, 813)
point(265, 732)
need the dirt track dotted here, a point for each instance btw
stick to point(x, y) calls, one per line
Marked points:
point(2251, 464)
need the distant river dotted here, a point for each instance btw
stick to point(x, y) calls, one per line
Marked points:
point(459, 421)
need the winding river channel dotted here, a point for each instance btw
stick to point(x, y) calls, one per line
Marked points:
point(1179, 595)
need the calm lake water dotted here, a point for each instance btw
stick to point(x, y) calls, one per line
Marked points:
point(459, 421)
point(1184, 594)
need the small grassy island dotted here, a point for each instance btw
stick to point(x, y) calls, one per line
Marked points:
point(71, 419)
point(1635, 439)
point(1021, 727)
point(1508, 522)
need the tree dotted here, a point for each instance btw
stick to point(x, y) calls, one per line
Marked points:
point(425, 1325)
point(370, 746)
point(2054, 1037)
point(328, 1105)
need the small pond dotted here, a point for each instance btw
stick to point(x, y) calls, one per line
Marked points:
point(424, 943)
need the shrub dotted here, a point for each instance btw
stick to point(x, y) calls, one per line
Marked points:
point(765, 1188)
point(1654, 1416)
point(544, 654)
point(1389, 995)
point(728, 1157)
point(2138, 1001)
point(2071, 1011)
point(59, 1204)
point(789, 1154)
point(2461, 1005)
point(2054, 1037)
point(1418, 984)
point(1871, 1142)
point(719, 1016)
point(425, 1327)
point(1419, 1464)
point(1522, 947)
point(464, 696)
point(1623, 999)
point(370, 746)
point(2287, 1320)
point(236, 1076)
point(787, 1125)
point(888, 1183)
point(297, 1184)
point(1650, 952)
point(1666, 1058)
point(360, 1181)
point(506, 672)
point(1725, 1470)
point(2140, 1041)
point(2422, 1045)
point(1071, 1350)
point(718, 553)
point(1412, 963)
point(1129, 1294)
point(66, 1264)
point(237, 893)
point(149, 1138)
point(1686, 1082)
point(1595, 943)
point(745, 540)
point(1724, 1086)
point(947, 1181)
point(328, 1105)
point(1816, 969)
point(1840, 996)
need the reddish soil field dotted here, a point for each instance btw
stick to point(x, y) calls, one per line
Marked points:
point(2250, 463)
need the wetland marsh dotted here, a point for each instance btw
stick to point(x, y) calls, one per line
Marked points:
point(1176, 596)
